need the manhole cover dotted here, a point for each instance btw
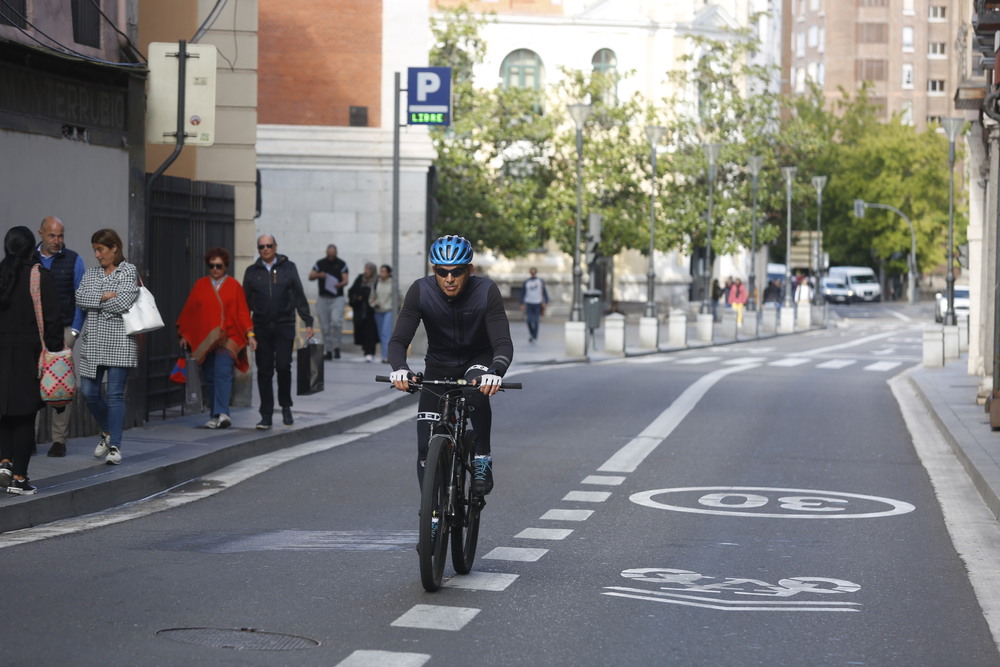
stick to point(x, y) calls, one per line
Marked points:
point(246, 639)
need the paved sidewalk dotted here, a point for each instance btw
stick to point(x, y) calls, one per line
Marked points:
point(168, 452)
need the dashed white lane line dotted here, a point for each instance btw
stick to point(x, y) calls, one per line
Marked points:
point(587, 496)
point(545, 533)
point(882, 366)
point(697, 360)
point(604, 480)
point(436, 617)
point(566, 515)
point(519, 554)
point(384, 659)
point(744, 360)
point(789, 362)
point(836, 364)
point(482, 581)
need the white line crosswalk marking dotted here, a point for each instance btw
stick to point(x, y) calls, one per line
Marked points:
point(882, 366)
point(836, 364)
point(697, 360)
point(436, 617)
point(789, 362)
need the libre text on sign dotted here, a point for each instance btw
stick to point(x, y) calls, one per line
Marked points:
point(428, 96)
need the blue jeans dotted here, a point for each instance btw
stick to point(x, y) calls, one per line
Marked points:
point(533, 314)
point(109, 411)
point(383, 322)
point(218, 373)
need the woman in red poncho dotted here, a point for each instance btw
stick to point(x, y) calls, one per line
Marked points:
point(215, 325)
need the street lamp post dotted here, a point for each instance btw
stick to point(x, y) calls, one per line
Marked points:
point(712, 153)
point(859, 211)
point(754, 163)
point(952, 126)
point(819, 182)
point(580, 113)
point(789, 173)
point(654, 133)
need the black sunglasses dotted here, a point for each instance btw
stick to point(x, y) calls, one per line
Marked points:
point(216, 266)
point(457, 272)
point(266, 245)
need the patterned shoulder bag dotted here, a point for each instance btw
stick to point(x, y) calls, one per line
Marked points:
point(56, 380)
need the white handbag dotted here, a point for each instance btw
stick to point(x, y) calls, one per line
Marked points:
point(143, 316)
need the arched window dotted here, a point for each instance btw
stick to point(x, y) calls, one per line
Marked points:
point(522, 69)
point(605, 64)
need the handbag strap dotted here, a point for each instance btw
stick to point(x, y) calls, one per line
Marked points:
point(36, 297)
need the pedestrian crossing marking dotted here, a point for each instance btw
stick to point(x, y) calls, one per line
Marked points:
point(697, 360)
point(882, 366)
point(789, 362)
point(436, 617)
point(744, 360)
point(482, 581)
point(836, 364)
point(520, 554)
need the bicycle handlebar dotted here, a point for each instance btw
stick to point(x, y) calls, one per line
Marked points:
point(457, 384)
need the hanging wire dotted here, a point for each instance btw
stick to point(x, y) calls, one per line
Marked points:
point(114, 27)
point(67, 51)
point(209, 20)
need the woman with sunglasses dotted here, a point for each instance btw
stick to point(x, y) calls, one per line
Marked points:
point(215, 326)
point(468, 336)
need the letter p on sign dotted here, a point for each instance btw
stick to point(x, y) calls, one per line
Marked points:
point(428, 96)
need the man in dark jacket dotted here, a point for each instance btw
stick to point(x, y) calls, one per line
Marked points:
point(274, 294)
point(67, 269)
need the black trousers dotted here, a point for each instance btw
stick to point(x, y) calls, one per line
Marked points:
point(17, 436)
point(481, 415)
point(274, 356)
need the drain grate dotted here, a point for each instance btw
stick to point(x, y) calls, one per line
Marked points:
point(244, 639)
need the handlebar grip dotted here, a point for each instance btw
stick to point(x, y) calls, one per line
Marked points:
point(382, 378)
point(511, 385)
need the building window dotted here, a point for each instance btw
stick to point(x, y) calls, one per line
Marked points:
point(934, 120)
point(908, 38)
point(522, 69)
point(821, 74)
point(873, 3)
point(814, 5)
point(605, 63)
point(87, 23)
point(871, 70)
point(813, 36)
point(822, 39)
point(14, 12)
point(800, 44)
point(906, 114)
point(935, 86)
point(936, 50)
point(907, 76)
point(908, 9)
point(873, 33)
point(937, 13)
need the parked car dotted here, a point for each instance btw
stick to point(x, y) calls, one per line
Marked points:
point(837, 291)
point(961, 303)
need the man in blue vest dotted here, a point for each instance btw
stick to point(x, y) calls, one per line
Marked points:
point(67, 270)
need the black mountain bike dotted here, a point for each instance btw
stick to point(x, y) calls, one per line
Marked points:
point(447, 506)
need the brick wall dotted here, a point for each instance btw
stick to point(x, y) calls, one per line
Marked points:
point(318, 59)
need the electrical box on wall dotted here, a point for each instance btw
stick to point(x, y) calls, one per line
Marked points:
point(199, 94)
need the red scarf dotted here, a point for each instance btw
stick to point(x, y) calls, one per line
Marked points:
point(212, 318)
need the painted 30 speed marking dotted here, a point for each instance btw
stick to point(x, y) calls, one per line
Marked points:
point(772, 503)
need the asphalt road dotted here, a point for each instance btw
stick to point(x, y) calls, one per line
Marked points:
point(757, 504)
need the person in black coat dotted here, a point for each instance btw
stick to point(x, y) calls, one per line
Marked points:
point(20, 347)
point(365, 331)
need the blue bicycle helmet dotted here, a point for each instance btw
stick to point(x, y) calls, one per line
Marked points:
point(451, 251)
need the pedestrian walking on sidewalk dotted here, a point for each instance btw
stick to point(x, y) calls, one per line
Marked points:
point(105, 293)
point(215, 326)
point(331, 275)
point(274, 294)
point(365, 331)
point(67, 271)
point(534, 300)
point(381, 302)
point(738, 299)
point(20, 347)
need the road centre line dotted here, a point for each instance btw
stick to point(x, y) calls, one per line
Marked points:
point(520, 554)
point(545, 533)
point(566, 515)
point(605, 480)
point(628, 458)
point(384, 659)
point(436, 617)
point(587, 496)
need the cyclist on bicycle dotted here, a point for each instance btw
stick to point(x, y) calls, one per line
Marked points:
point(468, 336)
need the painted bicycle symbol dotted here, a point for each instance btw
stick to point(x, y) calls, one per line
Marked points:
point(685, 587)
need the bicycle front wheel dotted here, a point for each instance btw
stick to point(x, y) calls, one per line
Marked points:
point(433, 544)
point(465, 530)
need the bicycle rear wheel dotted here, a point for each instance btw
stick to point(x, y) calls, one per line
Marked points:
point(433, 544)
point(465, 530)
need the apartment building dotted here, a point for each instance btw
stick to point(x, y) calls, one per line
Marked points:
point(913, 52)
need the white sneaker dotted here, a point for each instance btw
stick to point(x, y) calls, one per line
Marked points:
point(222, 421)
point(103, 446)
point(114, 456)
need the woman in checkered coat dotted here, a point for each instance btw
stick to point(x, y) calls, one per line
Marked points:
point(104, 294)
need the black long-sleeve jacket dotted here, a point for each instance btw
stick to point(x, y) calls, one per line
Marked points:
point(275, 295)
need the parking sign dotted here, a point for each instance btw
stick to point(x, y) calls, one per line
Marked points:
point(428, 96)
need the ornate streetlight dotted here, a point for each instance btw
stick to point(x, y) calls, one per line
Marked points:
point(580, 113)
point(819, 182)
point(712, 153)
point(754, 163)
point(654, 133)
point(952, 126)
point(789, 173)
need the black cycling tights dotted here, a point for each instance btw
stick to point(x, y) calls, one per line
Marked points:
point(480, 415)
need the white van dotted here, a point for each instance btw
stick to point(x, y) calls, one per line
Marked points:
point(859, 279)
